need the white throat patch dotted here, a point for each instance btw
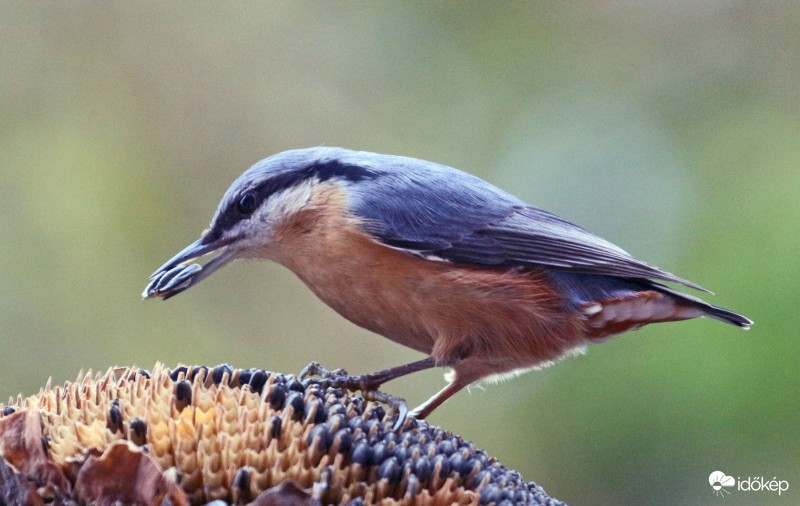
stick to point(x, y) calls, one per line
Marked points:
point(258, 229)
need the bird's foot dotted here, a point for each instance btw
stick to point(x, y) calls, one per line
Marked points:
point(337, 378)
point(368, 384)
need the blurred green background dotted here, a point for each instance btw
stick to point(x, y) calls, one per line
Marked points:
point(672, 129)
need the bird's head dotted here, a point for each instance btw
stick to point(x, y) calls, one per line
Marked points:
point(251, 212)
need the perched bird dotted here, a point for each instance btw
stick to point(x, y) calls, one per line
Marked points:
point(435, 259)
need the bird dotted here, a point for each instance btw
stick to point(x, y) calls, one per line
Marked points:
point(435, 259)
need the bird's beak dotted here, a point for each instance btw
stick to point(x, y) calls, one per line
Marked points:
point(174, 276)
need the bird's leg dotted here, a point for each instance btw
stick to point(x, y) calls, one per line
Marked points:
point(426, 408)
point(338, 378)
point(369, 383)
point(374, 380)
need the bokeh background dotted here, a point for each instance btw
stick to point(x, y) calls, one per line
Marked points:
point(670, 128)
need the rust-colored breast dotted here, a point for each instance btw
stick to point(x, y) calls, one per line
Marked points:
point(489, 321)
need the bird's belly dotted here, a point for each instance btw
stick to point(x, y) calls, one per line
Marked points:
point(376, 305)
point(510, 318)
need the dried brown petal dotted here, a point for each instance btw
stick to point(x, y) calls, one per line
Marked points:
point(23, 446)
point(123, 474)
point(15, 488)
point(287, 493)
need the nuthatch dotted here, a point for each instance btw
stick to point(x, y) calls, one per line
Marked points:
point(434, 259)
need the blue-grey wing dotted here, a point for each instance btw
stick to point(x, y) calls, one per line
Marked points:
point(434, 211)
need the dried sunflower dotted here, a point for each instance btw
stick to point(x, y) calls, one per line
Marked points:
point(194, 435)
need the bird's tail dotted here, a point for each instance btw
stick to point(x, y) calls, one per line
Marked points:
point(709, 310)
point(611, 305)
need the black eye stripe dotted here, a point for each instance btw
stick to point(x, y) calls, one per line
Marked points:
point(321, 171)
point(244, 204)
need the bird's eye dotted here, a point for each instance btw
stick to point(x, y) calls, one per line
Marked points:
point(247, 203)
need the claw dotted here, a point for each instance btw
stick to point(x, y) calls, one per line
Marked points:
point(338, 378)
point(326, 377)
point(312, 369)
point(394, 402)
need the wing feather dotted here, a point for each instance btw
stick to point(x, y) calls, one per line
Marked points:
point(431, 210)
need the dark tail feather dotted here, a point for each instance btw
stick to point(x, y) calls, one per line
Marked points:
point(727, 316)
point(584, 288)
point(710, 310)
